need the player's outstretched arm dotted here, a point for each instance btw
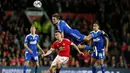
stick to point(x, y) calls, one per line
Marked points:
point(26, 46)
point(89, 37)
point(106, 47)
point(77, 48)
point(39, 47)
point(92, 35)
point(49, 52)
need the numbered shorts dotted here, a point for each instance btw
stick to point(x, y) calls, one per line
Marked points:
point(76, 37)
point(62, 59)
point(100, 55)
point(33, 56)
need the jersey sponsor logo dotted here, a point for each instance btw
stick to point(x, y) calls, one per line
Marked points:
point(96, 39)
point(33, 42)
point(57, 45)
point(61, 48)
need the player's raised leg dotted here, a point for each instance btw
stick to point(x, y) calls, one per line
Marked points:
point(78, 38)
point(86, 47)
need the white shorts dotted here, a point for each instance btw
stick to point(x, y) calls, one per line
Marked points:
point(62, 59)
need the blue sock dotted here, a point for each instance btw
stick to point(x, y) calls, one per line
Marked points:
point(88, 48)
point(36, 68)
point(93, 69)
point(103, 69)
point(24, 69)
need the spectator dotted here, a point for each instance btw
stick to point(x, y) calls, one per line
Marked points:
point(127, 55)
point(112, 15)
point(113, 62)
point(121, 63)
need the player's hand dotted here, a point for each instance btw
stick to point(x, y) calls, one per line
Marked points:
point(30, 51)
point(81, 53)
point(43, 55)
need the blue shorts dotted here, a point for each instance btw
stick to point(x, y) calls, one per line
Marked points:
point(76, 37)
point(33, 56)
point(100, 55)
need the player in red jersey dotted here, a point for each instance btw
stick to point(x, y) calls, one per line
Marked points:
point(63, 46)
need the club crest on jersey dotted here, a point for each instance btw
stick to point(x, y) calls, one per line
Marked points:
point(63, 44)
point(58, 45)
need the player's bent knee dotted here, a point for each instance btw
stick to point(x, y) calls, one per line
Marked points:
point(58, 64)
point(26, 63)
point(37, 64)
point(101, 62)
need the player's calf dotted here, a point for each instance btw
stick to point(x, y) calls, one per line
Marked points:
point(58, 66)
point(102, 66)
point(52, 69)
point(36, 68)
point(25, 66)
point(86, 47)
point(93, 60)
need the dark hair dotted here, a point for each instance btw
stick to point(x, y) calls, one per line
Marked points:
point(96, 22)
point(57, 31)
point(56, 15)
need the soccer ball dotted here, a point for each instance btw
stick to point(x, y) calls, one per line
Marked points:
point(37, 4)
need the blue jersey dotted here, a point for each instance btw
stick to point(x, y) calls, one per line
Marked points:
point(31, 41)
point(98, 39)
point(75, 35)
point(64, 27)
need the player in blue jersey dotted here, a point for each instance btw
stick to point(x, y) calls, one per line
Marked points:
point(31, 44)
point(101, 44)
point(74, 34)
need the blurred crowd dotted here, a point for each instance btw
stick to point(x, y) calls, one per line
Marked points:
point(112, 15)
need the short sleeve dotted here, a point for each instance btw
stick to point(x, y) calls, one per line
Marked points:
point(38, 39)
point(104, 34)
point(26, 39)
point(61, 26)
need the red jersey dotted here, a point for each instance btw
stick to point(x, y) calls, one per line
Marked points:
point(63, 46)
